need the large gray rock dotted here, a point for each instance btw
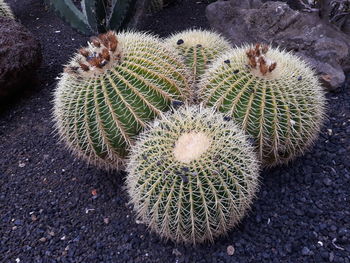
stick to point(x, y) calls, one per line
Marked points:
point(321, 44)
point(20, 56)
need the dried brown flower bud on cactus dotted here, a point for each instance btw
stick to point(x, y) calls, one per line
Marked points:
point(257, 58)
point(84, 52)
point(84, 67)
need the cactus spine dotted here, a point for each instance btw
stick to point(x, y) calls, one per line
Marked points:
point(5, 10)
point(111, 89)
point(192, 175)
point(274, 95)
point(198, 47)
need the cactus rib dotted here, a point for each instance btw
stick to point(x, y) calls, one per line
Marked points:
point(71, 14)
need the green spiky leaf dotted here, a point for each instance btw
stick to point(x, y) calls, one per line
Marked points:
point(120, 11)
point(71, 14)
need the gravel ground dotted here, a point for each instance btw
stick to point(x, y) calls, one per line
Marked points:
point(54, 208)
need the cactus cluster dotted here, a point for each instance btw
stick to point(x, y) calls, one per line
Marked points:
point(272, 94)
point(111, 89)
point(192, 175)
point(5, 10)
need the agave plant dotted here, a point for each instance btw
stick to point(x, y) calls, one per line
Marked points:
point(95, 16)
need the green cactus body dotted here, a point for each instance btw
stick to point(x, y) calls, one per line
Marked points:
point(198, 47)
point(274, 95)
point(5, 10)
point(111, 89)
point(192, 175)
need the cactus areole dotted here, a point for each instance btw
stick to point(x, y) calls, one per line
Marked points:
point(192, 175)
point(272, 94)
point(111, 89)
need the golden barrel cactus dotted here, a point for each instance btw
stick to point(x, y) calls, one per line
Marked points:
point(111, 89)
point(192, 175)
point(272, 94)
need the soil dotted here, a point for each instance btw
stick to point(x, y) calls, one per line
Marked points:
point(53, 208)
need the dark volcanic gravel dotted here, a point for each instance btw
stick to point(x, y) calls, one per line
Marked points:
point(54, 208)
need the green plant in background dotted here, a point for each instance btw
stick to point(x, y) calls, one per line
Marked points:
point(336, 12)
point(5, 10)
point(340, 12)
point(198, 47)
point(192, 175)
point(157, 5)
point(111, 89)
point(97, 16)
point(272, 94)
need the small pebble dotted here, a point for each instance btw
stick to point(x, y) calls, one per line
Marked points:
point(342, 231)
point(176, 252)
point(18, 222)
point(177, 103)
point(306, 251)
point(230, 250)
point(180, 42)
point(327, 181)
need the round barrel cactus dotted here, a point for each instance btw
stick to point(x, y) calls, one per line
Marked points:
point(192, 175)
point(5, 10)
point(111, 89)
point(272, 94)
point(198, 47)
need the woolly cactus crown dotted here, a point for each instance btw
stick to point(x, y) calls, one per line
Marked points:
point(192, 175)
point(5, 10)
point(274, 95)
point(111, 89)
